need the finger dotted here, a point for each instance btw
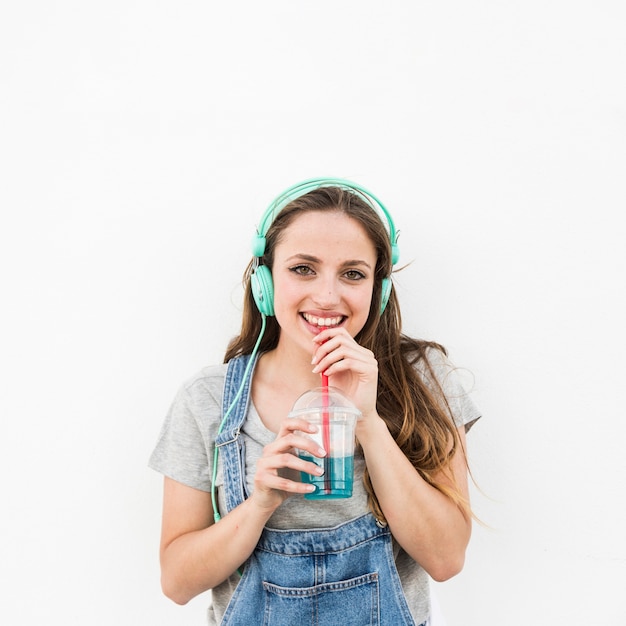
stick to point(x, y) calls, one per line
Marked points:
point(329, 340)
point(295, 424)
point(289, 461)
point(328, 353)
point(343, 359)
point(268, 477)
point(289, 443)
point(285, 485)
point(294, 433)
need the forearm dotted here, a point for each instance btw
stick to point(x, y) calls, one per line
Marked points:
point(429, 526)
point(202, 559)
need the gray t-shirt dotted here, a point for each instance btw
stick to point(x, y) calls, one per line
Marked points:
point(185, 448)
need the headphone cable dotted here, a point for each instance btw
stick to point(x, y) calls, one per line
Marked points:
point(216, 515)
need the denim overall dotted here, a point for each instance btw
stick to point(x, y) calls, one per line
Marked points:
point(344, 575)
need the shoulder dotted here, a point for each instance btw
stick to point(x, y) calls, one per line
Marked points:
point(430, 361)
point(452, 383)
point(435, 362)
point(184, 448)
point(207, 381)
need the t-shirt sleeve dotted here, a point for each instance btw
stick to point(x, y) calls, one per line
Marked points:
point(181, 452)
point(464, 410)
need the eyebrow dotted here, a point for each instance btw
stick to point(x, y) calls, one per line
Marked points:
point(313, 259)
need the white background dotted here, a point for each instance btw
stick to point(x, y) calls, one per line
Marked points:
point(142, 140)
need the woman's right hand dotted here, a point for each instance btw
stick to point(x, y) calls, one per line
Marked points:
point(271, 487)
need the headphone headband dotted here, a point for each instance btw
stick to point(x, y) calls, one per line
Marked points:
point(299, 189)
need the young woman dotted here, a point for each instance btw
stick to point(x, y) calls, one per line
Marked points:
point(318, 299)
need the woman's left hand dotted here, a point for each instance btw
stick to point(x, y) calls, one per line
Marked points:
point(351, 368)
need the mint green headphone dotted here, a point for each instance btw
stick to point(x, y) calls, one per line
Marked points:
point(261, 282)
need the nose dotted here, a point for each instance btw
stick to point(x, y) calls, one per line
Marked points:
point(328, 292)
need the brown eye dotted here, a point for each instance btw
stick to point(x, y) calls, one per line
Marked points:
point(354, 275)
point(302, 270)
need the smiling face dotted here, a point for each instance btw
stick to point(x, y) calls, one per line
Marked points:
point(323, 273)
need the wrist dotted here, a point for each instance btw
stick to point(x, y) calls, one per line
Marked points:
point(371, 429)
point(260, 508)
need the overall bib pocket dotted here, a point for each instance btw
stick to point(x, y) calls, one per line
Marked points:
point(353, 602)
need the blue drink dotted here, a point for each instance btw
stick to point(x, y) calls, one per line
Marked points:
point(336, 482)
point(334, 417)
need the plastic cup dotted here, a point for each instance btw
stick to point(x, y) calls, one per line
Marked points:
point(335, 417)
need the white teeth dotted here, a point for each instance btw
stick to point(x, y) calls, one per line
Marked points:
point(322, 321)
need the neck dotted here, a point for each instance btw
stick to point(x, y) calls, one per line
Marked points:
point(291, 366)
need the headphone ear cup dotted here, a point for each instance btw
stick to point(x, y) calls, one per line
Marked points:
point(385, 292)
point(262, 286)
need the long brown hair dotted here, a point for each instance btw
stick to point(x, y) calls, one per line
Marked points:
point(417, 416)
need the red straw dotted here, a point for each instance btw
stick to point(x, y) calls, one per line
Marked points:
point(326, 432)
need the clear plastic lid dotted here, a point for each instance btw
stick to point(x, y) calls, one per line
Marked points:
point(323, 398)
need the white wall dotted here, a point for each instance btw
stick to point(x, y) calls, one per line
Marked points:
point(140, 143)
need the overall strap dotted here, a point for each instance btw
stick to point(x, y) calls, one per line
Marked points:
point(229, 444)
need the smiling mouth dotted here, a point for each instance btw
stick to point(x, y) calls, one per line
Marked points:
point(323, 321)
